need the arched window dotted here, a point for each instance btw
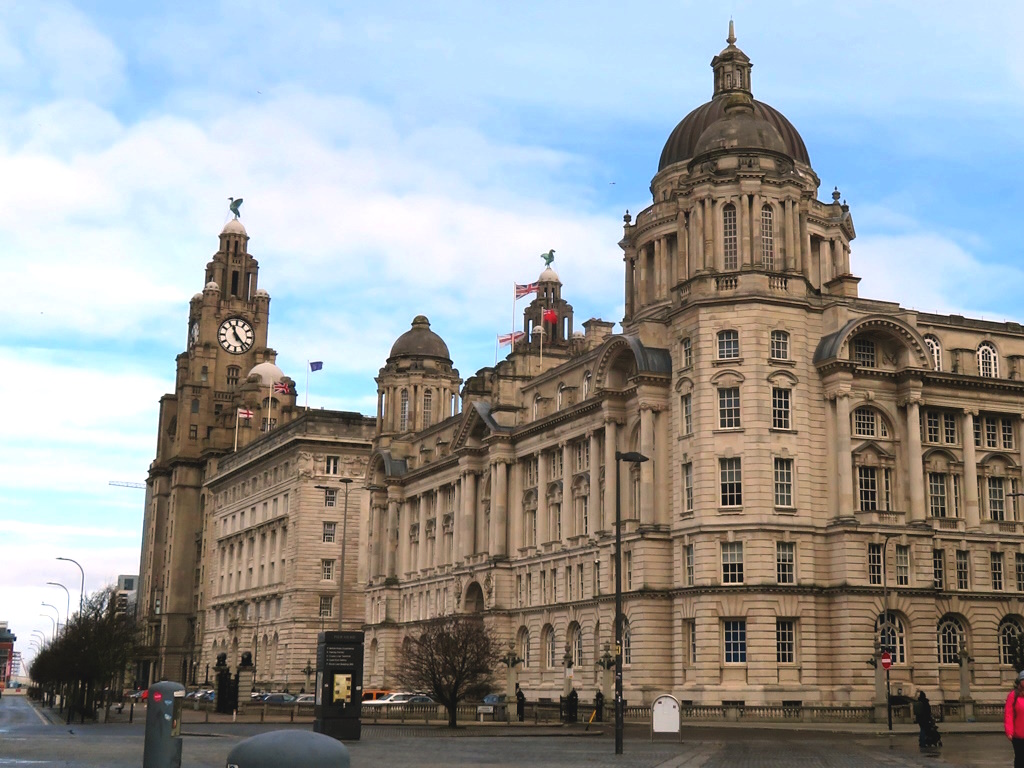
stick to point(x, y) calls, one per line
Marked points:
point(988, 360)
point(403, 414)
point(576, 645)
point(767, 237)
point(951, 640)
point(560, 400)
point(536, 406)
point(524, 647)
point(1009, 631)
point(935, 350)
point(627, 642)
point(586, 384)
point(428, 398)
point(867, 422)
point(550, 657)
point(729, 237)
point(891, 636)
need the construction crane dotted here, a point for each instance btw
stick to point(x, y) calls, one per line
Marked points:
point(126, 484)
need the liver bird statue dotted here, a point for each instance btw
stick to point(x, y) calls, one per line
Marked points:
point(235, 205)
point(548, 257)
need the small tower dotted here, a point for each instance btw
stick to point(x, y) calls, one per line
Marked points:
point(549, 311)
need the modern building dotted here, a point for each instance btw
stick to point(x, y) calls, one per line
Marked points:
point(127, 593)
point(828, 476)
point(9, 658)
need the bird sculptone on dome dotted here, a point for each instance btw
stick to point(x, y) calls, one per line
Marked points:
point(235, 205)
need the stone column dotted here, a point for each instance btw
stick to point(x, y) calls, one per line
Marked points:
point(568, 525)
point(805, 251)
point(515, 507)
point(683, 266)
point(708, 232)
point(629, 259)
point(608, 518)
point(914, 459)
point(542, 499)
point(469, 505)
point(457, 536)
point(844, 470)
point(660, 262)
point(594, 502)
point(647, 513)
point(389, 538)
point(696, 239)
point(421, 552)
point(791, 240)
point(972, 514)
point(499, 509)
point(755, 231)
point(743, 227)
point(380, 534)
point(403, 540)
point(718, 236)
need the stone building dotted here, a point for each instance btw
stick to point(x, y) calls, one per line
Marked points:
point(829, 476)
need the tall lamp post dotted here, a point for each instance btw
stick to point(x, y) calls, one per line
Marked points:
point(631, 457)
point(58, 584)
point(81, 593)
point(885, 625)
point(56, 610)
point(51, 619)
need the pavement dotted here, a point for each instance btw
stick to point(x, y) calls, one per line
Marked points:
point(41, 739)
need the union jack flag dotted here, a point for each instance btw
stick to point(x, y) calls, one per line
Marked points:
point(282, 388)
point(525, 290)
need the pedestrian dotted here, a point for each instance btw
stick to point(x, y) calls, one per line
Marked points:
point(520, 704)
point(923, 718)
point(1013, 720)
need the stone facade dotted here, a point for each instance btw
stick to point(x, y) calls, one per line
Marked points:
point(828, 476)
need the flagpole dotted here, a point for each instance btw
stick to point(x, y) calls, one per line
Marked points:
point(496, 341)
point(514, 297)
point(307, 385)
point(236, 428)
point(270, 402)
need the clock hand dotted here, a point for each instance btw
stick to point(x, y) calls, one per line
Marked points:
point(234, 332)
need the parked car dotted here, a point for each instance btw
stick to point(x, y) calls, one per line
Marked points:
point(494, 698)
point(279, 698)
point(420, 698)
point(306, 698)
point(372, 694)
point(396, 697)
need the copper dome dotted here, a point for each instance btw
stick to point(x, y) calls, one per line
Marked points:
point(420, 341)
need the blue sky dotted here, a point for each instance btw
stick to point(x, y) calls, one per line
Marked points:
point(401, 158)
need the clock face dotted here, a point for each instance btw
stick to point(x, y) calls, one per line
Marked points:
point(193, 335)
point(236, 335)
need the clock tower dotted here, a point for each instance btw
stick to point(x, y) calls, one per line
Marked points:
point(226, 338)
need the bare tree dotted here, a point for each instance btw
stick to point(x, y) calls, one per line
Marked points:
point(452, 659)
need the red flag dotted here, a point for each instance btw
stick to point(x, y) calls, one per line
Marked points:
point(282, 388)
point(550, 316)
point(244, 413)
point(510, 338)
point(525, 290)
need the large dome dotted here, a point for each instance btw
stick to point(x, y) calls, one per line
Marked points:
point(420, 341)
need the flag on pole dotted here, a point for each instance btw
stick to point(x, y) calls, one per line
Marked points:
point(525, 290)
point(510, 338)
point(550, 316)
point(316, 365)
point(282, 389)
point(245, 413)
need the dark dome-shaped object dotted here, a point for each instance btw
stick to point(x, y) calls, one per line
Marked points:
point(682, 143)
point(420, 341)
point(740, 128)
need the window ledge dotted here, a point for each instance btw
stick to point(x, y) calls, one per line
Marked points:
point(719, 361)
point(730, 510)
point(727, 430)
point(780, 431)
point(786, 361)
point(785, 510)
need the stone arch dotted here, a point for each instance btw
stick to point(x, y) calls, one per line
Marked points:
point(474, 599)
point(623, 357)
point(909, 340)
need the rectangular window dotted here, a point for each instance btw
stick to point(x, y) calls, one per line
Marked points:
point(581, 451)
point(875, 564)
point(785, 562)
point(728, 345)
point(997, 570)
point(735, 636)
point(327, 570)
point(956, 495)
point(688, 563)
point(931, 427)
point(949, 428)
point(783, 482)
point(1019, 561)
point(329, 532)
point(902, 565)
point(991, 433)
point(543, 586)
point(732, 562)
point(938, 568)
point(326, 607)
point(627, 569)
point(687, 488)
point(785, 641)
point(330, 497)
point(996, 499)
point(686, 414)
point(977, 432)
point(555, 463)
point(864, 422)
point(331, 465)
point(731, 475)
point(529, 589)
point(963, 570)
point(193, 432)
point(728, 407)
point(730, 261)
point(780, 407)
point(864, 352)
point(519, 589)
point(937, 493)
point(531, 472)
point(779, 345)
point(686, 346)
point(867, 488)
point(1007, 428)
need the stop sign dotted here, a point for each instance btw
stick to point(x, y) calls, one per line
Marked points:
point(886, 660)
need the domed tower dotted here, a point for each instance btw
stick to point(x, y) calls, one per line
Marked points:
point(734, 195)
point(417, 387)
point(549, 311)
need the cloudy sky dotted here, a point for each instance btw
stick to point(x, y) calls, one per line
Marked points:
point(399, 158)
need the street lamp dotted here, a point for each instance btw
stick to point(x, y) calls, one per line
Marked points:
point(58, 584)
point(346, 481)
point(56, 610)
point(633, 458)
point(885, 624)
point(81, 593)
point(53, 620)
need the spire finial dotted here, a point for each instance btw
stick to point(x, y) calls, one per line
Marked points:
point(731, 39)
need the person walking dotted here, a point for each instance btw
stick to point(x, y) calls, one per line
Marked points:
point(1013, 720)
point(520, 703)
point(923, 718)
